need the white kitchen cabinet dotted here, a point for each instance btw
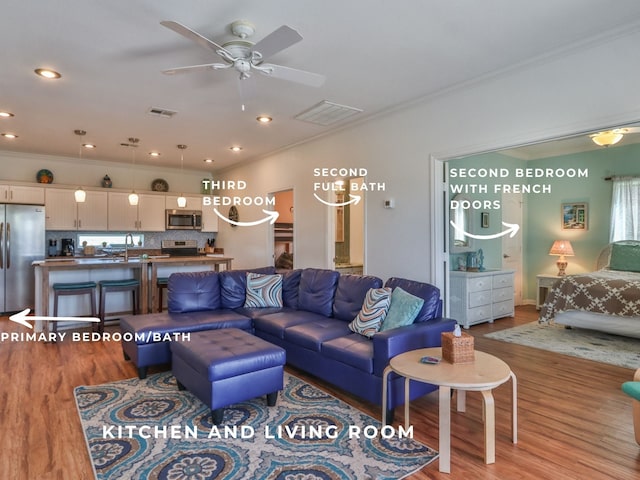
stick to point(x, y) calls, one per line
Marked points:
point(147, 216)
point(209, 217)
point(64, 213)
point(21, 194)
point(478, 297)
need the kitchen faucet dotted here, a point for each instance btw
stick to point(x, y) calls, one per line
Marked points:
point(126, 246)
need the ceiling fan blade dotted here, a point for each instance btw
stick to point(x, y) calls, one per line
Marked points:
point(277, 41)
point(292, 74)
point(193, 36)
point(191, 68)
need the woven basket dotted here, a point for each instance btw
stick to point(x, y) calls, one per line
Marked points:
point(457, 349)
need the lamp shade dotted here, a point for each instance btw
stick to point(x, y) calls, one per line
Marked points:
point(562, 247)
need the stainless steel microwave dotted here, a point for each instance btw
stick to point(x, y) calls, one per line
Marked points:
point(183, 220)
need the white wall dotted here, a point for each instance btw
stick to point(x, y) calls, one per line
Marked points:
point(583, 89)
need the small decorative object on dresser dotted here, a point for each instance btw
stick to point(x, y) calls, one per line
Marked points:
point(478, 297)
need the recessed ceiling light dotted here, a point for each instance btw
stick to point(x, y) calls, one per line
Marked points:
point(9, 135)
point(47, 73)
point(88, 145)
point(264, 119)
point(208, 160)
point(6, 114)
point(235, 148)
point(154, 154)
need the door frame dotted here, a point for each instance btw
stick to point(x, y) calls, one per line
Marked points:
point(271, 242)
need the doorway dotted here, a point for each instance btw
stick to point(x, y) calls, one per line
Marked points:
point(283, 230)
point(512, 246)
point(349, 238)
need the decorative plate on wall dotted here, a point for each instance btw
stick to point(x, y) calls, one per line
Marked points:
point(159, 185)
point(44, 176)
point(233, 215)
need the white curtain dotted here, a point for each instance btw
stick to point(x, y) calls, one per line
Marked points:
point(625, 209)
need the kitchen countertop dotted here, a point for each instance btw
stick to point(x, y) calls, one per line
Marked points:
point(146, 268)
point(80, 262)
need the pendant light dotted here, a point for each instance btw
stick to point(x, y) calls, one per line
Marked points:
point(133, 196)
point(182, 201)
point(80, 195)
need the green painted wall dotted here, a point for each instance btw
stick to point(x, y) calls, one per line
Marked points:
point(542, 212)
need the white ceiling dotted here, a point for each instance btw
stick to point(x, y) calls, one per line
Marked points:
point(376, 55)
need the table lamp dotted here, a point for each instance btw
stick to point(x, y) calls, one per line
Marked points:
point(562, 248)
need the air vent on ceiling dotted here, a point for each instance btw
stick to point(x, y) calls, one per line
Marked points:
point(327, 113)
point(161, 112)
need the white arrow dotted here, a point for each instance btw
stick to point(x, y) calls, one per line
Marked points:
point(21, 318)
point(512, 228)
point(271, 215)
point(355, 199)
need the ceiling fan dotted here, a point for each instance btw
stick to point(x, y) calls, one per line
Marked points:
point(244, 56)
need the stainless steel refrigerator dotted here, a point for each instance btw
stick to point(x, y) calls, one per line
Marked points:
point(22, 241)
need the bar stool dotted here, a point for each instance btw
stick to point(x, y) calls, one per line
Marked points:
point(161, 283)
point(109, 286)
point(77, 288)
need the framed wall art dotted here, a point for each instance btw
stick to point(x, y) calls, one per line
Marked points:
point(575, 216)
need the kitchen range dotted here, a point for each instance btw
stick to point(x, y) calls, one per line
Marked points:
point(179, 248)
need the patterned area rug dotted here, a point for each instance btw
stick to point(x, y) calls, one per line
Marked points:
point(577, 342)
point(132, 429)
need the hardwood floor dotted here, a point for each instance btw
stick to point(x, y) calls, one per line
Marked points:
point(574, 421)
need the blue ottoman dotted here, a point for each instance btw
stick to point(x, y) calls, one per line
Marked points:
point(227, 366)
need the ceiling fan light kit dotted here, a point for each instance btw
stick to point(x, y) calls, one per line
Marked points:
point(608, 138)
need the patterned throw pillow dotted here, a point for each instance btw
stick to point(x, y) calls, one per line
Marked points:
point(374, 310)
point(263, 291)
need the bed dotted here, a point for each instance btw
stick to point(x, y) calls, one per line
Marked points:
point(607, 300)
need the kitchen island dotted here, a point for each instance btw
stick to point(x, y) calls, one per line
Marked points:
point(94, 269)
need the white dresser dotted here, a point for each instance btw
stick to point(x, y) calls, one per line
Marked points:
point(478, 297)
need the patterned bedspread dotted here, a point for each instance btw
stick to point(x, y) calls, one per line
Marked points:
point(610, 292)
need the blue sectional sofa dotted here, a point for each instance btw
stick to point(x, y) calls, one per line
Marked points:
point(312, 325)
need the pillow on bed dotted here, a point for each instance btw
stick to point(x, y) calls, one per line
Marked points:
point(625, 256)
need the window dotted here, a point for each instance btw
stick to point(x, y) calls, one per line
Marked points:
point(116, 240)
point(625, 209)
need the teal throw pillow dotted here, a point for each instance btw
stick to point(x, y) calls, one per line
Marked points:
point(263, 291)
point(625, 256)
point(403, 310)
point(373, 312)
